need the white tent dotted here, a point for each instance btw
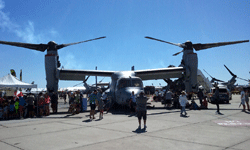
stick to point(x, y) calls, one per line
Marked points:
point(10, 81)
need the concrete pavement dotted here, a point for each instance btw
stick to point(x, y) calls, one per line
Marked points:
point(202, 129)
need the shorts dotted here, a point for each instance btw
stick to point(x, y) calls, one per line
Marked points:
point(21, 108)
point(141, 114)
point(92, 106)
point(243, 101)
point(247, 100)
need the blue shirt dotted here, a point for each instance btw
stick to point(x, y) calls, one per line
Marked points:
point(92, 98)
point(21, 101)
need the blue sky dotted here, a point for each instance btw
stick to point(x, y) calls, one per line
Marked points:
point(125, 24)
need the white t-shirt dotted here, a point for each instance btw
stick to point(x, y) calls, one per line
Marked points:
point(183, 100)
point(242, 95)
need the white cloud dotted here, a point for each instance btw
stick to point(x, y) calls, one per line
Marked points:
point(68, 61)
point(26, 32)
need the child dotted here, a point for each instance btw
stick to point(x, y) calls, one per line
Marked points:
point(40, 104)
point(100, 106)
point(12, 109)
point(194, 106)
point(16, 107)
point(183, 101)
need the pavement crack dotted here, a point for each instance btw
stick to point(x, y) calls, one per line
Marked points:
point(12, 145)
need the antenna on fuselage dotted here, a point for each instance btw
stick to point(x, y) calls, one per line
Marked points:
point(96, 79)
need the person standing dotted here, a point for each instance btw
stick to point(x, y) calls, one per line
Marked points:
point(183, 102)
point(200, 96)
point(92, 101)
point(54, 102)
point(168, 97)
point(132, 103)
point(247, 99)
point(47, 101)
point(217, 98)
point(141, 108)
point(100, 106)
point(30, 101)
point(64, 97)
point(22, 104)
point(243, 96)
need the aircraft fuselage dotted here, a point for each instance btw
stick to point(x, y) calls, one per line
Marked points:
point(122, 85)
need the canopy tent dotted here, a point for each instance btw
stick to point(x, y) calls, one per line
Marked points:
point(10, 81)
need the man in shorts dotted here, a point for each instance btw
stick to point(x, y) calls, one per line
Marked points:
point(22, 104)
point(141, 102)
point(242, 96)
point(92, 102)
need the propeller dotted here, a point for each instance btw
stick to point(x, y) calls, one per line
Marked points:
point(42, 47)
point(190, 46)
point(82, 82)
point(235, 75)
point(213, 79)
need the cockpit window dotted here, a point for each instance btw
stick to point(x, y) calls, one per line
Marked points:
point(129, 83)
point(136, 83)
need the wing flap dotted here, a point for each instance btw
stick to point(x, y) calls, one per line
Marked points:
point(79, 75)
point(163, 73)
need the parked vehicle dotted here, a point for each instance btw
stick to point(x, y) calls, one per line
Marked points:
point(224, 95)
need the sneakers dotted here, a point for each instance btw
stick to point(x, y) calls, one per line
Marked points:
point(145, 126)
point(139, 127)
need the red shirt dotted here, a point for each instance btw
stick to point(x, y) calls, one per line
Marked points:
point(47, 100)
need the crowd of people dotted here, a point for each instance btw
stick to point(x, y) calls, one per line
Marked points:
point(98, 99)
point(30, 105)
point(171, 100)
point(26, 106)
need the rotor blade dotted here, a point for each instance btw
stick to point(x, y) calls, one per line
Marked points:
point(64, 45)
point(165, 80)
point(38, 47)
point(230, 72)
point(243, 79)
point(101, 80)
point(82, 82)
point(86, 79)
point(178, 53)
point(180, 45)
point(200, 46)
point(77, 84)
point(218, 80)
point(208, 73)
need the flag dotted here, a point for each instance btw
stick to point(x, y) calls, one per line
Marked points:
point(18, 93)
point(21, 75)
point(12, 72)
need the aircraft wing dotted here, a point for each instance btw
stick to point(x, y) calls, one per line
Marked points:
point(162, 73)
point(79, 75)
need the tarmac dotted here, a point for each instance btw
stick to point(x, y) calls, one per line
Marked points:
point(166, 129)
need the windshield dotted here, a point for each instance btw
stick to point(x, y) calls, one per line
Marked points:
point(129, 83)
point(221, 90)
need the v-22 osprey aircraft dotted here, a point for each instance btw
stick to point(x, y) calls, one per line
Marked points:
point(122, 82)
